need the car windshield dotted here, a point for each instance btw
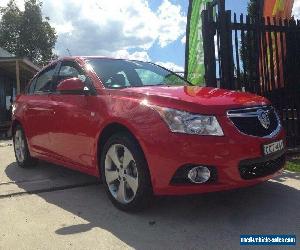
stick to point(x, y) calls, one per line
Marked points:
point(116, 73)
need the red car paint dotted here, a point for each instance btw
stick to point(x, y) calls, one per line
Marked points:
point(66, 129)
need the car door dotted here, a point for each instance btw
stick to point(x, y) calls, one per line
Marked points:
point(74, 131)
point(38, 111)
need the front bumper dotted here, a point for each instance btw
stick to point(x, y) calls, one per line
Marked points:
point(226, 154)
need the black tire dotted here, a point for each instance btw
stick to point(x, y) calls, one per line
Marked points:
point(27, 160)
point(143, 194)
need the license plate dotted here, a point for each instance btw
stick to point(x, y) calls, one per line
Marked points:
point(273, 147)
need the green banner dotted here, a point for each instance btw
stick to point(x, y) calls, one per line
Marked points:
point(194, 61)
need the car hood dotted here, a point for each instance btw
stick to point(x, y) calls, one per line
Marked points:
point(196, 99)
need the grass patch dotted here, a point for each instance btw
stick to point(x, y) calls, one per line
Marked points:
point(293, 164)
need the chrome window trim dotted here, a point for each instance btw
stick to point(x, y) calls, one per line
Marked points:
point(251, 114)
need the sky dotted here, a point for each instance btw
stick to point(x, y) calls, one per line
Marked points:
point(149, 30)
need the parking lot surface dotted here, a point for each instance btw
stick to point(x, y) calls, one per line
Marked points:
point(50, 207)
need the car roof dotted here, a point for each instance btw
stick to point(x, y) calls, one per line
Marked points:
point(83, 58)
point(94, 57)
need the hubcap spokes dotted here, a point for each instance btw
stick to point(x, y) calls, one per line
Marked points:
point(121, 173)
point(19, 146)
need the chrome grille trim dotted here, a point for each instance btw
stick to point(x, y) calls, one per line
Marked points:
point(247, 113)
point(252, 112)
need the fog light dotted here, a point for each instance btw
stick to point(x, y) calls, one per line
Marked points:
point(199, 174)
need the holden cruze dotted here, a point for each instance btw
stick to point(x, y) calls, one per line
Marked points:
point(145, 130)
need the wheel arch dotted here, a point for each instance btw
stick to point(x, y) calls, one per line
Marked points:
point(107, 132)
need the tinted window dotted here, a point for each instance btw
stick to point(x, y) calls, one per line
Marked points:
point(126, 73)
point(148, 76)
point(120, 78)
point(44, 81)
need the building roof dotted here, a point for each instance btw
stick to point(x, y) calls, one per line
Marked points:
point(19, 69)
point(4, 53)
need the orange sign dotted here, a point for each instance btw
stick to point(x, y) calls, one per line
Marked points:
point(278, 8)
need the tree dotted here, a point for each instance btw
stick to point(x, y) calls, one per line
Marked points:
point(10, 27)
point(26, 33)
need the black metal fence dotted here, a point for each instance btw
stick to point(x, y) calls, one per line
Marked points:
point(255, 54)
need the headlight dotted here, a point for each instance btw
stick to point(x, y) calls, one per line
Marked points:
point(185, 122)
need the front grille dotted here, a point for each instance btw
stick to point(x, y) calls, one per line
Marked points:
point(251, 169)
point(248, 121)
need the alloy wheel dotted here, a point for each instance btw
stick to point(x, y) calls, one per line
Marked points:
point(121, 173)
point(19, 146)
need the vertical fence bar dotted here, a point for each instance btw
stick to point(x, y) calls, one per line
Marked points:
point(277, 98)
point(260, 54)
point(230, 62)
point(289, 73)
point(297, 91)
point(293, 75)
point(249, 52)
point(265, 58)
point(256, 49)
point(219, 60)
point(270, 54)
point(277, 63)
point(208, 33)
point(226, 49)
point(284, 94)
point(243, 48)
point(237, 56)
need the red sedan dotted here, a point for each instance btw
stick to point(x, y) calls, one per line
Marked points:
point(144, 130)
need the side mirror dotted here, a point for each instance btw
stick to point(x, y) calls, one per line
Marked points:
point(72, 86)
